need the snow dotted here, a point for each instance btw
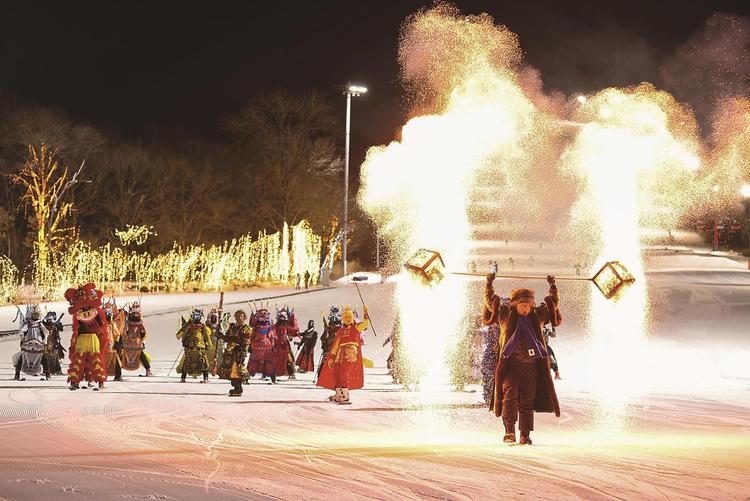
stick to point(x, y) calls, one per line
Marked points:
point(686, 434)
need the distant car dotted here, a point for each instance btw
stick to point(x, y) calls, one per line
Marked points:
point(360, 278)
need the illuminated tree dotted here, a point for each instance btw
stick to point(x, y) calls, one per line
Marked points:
point(44, 185)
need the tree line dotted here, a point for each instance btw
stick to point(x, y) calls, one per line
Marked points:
point(280, 160)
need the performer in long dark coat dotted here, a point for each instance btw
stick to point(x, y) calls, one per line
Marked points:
point(330, 328)
point(53, 350)
point(305, 360)
point(523, 382)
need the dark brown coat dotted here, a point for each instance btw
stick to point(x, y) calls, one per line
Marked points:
point(495, 312)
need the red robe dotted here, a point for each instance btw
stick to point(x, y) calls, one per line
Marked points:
point(343, 365)
point(283, 358)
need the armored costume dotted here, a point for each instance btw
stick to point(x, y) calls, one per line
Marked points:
point(262, 342)
point(131, 346)
point(343, 369)
point(308, 339)
point(236, 343)
point(330, 328)
point(89, 341)
point(30, 360)
point(214, 353)
point(116, 321)
point(53, 349)
point(286, 328)
point(196, 340)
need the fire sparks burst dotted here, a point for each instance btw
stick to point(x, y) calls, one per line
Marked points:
point(483, 132)
point(634, 161)
point(419, 188)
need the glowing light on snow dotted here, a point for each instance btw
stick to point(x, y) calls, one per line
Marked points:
point(418, 189)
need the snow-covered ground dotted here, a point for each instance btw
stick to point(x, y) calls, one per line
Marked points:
point(686, 432)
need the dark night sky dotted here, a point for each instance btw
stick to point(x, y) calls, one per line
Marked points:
point(132, 67)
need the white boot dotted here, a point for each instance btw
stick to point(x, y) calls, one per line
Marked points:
point(336, 396)
point(344, 400)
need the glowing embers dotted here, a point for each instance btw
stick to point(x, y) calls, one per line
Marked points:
point(612, 278)
point(427, 266)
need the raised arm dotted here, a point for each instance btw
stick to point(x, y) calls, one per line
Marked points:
point(365, 323)
point(494, 309)
point(550, 310)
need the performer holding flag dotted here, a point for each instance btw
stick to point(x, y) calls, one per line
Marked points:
point(343, 369)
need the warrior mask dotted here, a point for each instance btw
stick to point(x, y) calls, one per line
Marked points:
point(50, 317)
point(334, 316)
point(134, 314)
point(196, 316)
point(264, 318)
point(33, 312)
point(282, 317)
point(213, 317)
point(347, 317)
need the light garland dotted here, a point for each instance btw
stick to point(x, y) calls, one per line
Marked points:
point(240, 262)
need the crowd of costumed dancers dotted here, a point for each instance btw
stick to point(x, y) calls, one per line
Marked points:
point(505, 349)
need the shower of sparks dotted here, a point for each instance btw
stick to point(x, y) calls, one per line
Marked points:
point(481, 134)
point(418, 189)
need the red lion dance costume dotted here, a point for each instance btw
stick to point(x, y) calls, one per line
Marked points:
point(88, 343)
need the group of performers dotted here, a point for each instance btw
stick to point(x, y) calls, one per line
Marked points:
point(515, 367)
point(105, 340)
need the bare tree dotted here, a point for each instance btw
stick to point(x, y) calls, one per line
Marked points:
point(294, 162)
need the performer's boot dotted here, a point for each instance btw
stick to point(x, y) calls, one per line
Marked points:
point(510, 432)
point(336, 396)
point(100, 386)
point(344, 397)
point(73, 385)
point(183, 376)
point(525, 438)
point(236, 390)
point(205, 377)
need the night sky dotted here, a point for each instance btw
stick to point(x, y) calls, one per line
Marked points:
point(135, 68)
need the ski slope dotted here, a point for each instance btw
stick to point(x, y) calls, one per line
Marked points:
point(686, 435)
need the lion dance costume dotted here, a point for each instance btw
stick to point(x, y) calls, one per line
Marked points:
point(343, 369)
point(88, 343)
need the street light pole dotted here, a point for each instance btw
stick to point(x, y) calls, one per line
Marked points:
point(349, 92)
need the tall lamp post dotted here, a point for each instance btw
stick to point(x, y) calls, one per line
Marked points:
point(349, 92)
